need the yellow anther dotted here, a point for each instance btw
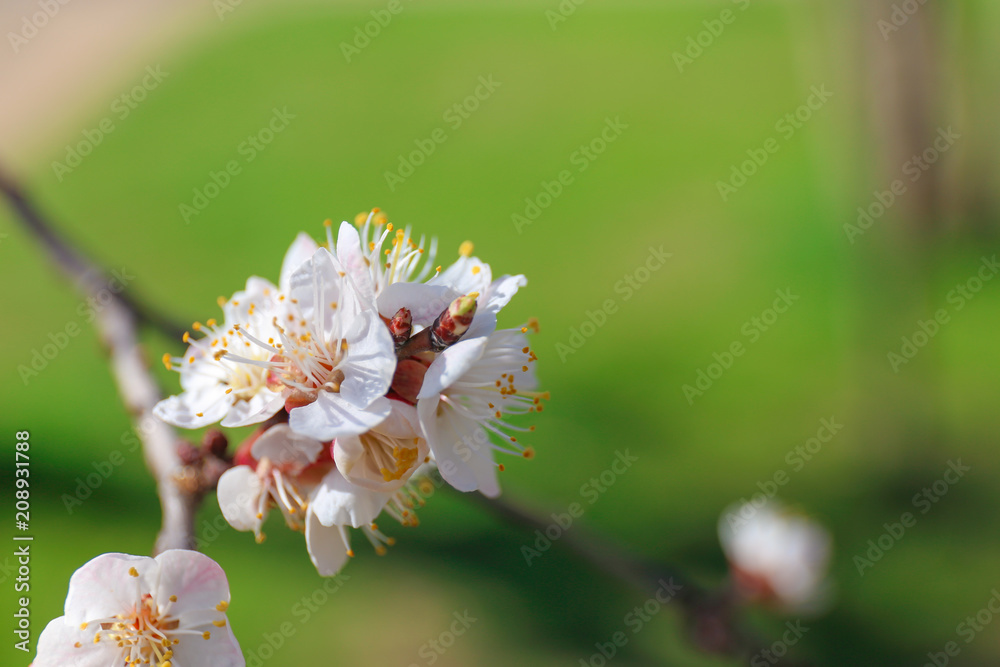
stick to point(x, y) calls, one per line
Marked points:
point(173, 598)
point(196, 326)
point(166, 361)
point(206, 634)
point(219, 624)
point(211, 322)
point(475, 270)
point(133, 572)
point(465, 250)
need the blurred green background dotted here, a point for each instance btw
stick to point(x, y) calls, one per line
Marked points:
point(655, 185)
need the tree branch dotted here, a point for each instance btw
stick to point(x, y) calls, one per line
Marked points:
point(117, 324)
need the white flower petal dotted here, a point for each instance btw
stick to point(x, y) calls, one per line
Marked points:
point(57, 647)
point(104, 587)
point(260, 408)
point(330, 416)
point(302, 248)
point(352, 258)
point(450, 365)
point(219, 650)
point(198, 582)
point(467, 274)
point(370, 362)
point(239, 493)
point(286, 449)
point(461, 448)
point(493, 299)
point(194, 410)
point(327, 549)
point(338, 502)
point(425, 302)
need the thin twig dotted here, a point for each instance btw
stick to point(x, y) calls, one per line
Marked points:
point(117, 324)
point(91, 278)
point(711, 616)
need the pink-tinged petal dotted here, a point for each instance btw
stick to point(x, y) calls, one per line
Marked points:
point(302, 248)
point(264, 405)
point(352, 258)
point(286, 449)
point(239, 492)
point(104, 586)
point(198, 582)
point(337, 502)
point(327, 548)
point(220, 650)
point(493, 299)
point(57, 647)
point(189, 410)
point(330, 416)
point(461, 448)
point(451, 365)
point(424, 301)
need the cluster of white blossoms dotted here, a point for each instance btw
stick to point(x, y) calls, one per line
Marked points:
point(127, 611)
point(777, 556)
point(368, 368)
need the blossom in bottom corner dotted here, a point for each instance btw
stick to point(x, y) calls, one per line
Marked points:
point(777, 556)
point(124, 610)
